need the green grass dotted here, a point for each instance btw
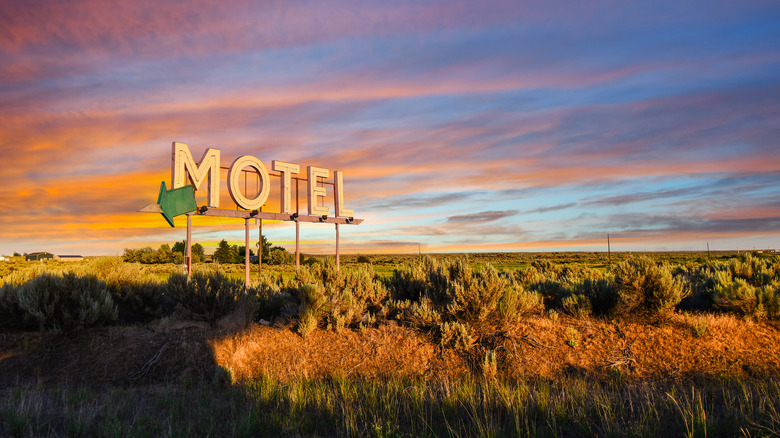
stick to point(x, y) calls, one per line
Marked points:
point(358, 407)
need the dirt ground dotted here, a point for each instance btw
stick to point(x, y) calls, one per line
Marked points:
point(174, 351)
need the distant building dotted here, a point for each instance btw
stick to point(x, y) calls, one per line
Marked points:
point(4, 258)
point(68, 258)
point(34, 256)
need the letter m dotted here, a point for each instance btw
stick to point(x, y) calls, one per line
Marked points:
point(183, 167)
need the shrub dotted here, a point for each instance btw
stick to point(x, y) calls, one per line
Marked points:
point(490, 365)
point(769, 300)
point(66, 303)
point(516, 302)
point(409, 282)
point(646, 288)
point(455, 335)
point(734, 295)
point(11, 315)
point(363, 259)
point(738, 296)
point(313, 306)
point(279, 256)
point(206, 297)
point(573, 337)
point(116, 273)
point(309, 261)
point(423, 316)
point(351, 294)
point(426, 277)
point(600, 293)
point(553, 291)
point(475, 295)
point(141, 302)
point(432, 295)
point(700, 327)
point(577, 305)
point(529, 276)
point(273, 297)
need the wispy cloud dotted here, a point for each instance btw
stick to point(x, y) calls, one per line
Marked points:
point(484, 216)
point(459, 125)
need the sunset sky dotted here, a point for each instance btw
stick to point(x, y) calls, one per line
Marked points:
point(460, 126)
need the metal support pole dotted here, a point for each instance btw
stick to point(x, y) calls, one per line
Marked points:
point(609, 253)
point(188, 254)
point(260, 247)
point(297, 244)
point(246, 254)
point(338, 267)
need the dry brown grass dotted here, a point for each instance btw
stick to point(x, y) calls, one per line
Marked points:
point(387, 351)
point(732, 347)
point(534, 348)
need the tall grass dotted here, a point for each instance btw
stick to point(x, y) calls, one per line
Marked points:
point(396, 407)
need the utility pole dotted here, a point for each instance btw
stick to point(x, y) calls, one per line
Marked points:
point(609, 253)
point(708, 249)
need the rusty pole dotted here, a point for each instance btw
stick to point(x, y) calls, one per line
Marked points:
point(297, 244)
point(188, 257)
point(338, 267)
point(297, 228)
point(260, 247)
point(246, 254)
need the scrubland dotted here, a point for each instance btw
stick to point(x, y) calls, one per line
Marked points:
point(569, 344)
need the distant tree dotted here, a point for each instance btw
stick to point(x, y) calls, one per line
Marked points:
point(279, 256)
point(16, 254)
point(147, 255)
point(164, 254)
point(266, 247)
point(197, 253)
point(223, 254)
point(130, 255)
point(239, 252)
point(180, 247)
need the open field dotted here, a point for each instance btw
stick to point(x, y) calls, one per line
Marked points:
point(546, 345)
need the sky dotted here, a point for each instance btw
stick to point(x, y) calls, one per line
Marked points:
point(460, 126)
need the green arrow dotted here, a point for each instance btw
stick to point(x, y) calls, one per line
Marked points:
point(176, 202)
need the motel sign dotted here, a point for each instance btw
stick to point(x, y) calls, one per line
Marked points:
point(188, 176)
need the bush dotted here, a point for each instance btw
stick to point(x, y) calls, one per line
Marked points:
point(313, 306)
point(738, 296)
point(516, 302)
point(422, 315)
point(529, 276)
point(142, 302)
point(351, 294)
point(273, 297)
point(11, 315)
point(427, 277)
point(646, 288)
point(553, 291)
point(363, 259)
point(455, 335)
point(66, 303)
point(600, 293)
point(456, 304)
point(206, 297)
point(279, 256)
point(475, 295)
point(577, 305)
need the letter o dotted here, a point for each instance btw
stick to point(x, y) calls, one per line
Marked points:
point(233, 182)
